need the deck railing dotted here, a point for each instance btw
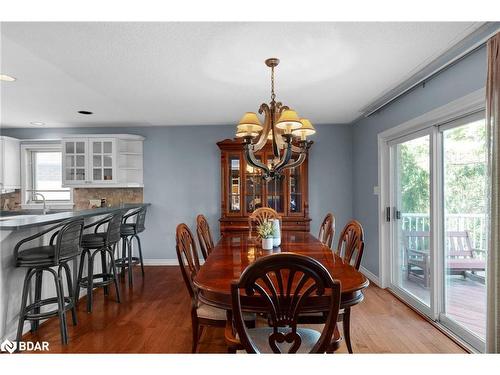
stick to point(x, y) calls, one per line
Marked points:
point(474, 223)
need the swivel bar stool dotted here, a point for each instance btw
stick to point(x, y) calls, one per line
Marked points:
point(128, 232)
point(102, 243)
point(64, 246)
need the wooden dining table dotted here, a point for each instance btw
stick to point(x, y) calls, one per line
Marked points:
point(234, 252)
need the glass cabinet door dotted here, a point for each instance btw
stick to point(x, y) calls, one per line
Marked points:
point(295, 204)
point(253, 188)
point(102, 160)
point(75, 163)
point(275, 191)
point(234, 184)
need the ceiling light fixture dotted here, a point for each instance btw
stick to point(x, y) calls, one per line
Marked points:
point(6, 78)
point(38, 123)
point(85, 112)
point(281, 125)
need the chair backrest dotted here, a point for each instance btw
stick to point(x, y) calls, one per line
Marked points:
point(261, 215)
point(350, 246)
point(327, 230)
point(282, 283)
point(204, 236)
point(459, 244)
point(187, 254)
point(140, 219)
point(113, 229)
point(416, 240)
point(68, 240)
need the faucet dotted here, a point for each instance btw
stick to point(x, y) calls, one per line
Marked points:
point(44, 212)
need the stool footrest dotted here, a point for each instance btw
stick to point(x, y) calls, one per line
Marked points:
point(68, 305)
point(124, 262)
point(84, 280)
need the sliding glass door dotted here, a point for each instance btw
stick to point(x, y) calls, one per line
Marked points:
point(464, 187)
point(411, 218)
point(437, 217)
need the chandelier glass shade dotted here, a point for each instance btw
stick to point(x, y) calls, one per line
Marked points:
point(281, 126)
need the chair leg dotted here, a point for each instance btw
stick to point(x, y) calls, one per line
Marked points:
point(104, 268)
point(124, 255)
point(196, 335)
point(71, 293)
point(24, 300)
point(130, 266)
point(38, 295)
point(60, 304)
point(346, 324)
point(140, 253)
point(80, 275)
point(115, 275)
point(90, 281)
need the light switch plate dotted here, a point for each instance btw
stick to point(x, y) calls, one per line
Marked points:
point(376, 190)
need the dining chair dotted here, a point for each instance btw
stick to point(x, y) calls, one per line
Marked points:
point(260, 215)
point(204, 236)
point(281, 285)
point(201, 314)
point(350, 248)
point(327, 230)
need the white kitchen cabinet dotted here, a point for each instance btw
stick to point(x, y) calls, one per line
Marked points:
point(10, 164)
point(104, 160)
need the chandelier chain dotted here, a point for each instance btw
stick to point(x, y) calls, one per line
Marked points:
point(273, 95)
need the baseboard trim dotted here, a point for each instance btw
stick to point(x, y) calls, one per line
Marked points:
point(371, 276)
point(161, 262)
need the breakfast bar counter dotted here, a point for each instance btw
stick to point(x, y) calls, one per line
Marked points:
point(15, 227)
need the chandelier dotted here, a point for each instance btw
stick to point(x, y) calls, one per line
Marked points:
point(281, 126)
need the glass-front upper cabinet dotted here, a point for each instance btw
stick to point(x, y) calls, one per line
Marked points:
point(275, 191)
point(234, 183)
point(295, 190)
point(253, 188)
point(102, 159)
point(75, 161)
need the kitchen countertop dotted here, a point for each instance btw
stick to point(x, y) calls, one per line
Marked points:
point(19, 221)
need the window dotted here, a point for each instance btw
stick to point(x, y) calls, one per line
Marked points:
point(43, 167)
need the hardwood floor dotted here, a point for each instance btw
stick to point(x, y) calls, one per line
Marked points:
point(154, 318)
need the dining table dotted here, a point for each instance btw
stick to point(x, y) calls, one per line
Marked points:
point(234, 252)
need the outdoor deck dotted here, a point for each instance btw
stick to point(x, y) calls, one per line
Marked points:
point(465, 301)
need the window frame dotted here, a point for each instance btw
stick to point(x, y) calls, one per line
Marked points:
point(27, 178)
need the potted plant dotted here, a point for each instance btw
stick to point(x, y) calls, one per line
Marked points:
point(266, 232)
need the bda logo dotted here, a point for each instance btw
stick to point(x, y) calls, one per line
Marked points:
point(8, 346)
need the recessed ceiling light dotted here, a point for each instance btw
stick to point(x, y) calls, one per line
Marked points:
point(7, 78)
point(85, 112)
point(37, 123)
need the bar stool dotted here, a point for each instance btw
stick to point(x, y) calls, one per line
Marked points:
point(102, 243)
point(64, 246)
point(128, 232)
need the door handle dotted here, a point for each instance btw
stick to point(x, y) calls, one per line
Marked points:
point(388, 214)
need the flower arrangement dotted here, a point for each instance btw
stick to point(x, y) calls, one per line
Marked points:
point(266, 230)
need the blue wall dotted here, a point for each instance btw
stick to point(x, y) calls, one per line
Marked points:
point(182, 176)
point(459, 80)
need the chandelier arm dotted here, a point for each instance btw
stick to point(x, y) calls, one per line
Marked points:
point(297, 162)
point(262, 140)
point(286, 157)
point(253, 161)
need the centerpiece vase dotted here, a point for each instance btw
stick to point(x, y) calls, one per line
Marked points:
point(277, 233)
point(267, 243)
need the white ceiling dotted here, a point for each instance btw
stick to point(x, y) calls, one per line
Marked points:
point(132, 74)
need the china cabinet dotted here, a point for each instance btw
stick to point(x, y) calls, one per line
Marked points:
point(243, 190)
point(103, 160)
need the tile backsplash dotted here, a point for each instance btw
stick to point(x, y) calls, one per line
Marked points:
point(114, 196)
